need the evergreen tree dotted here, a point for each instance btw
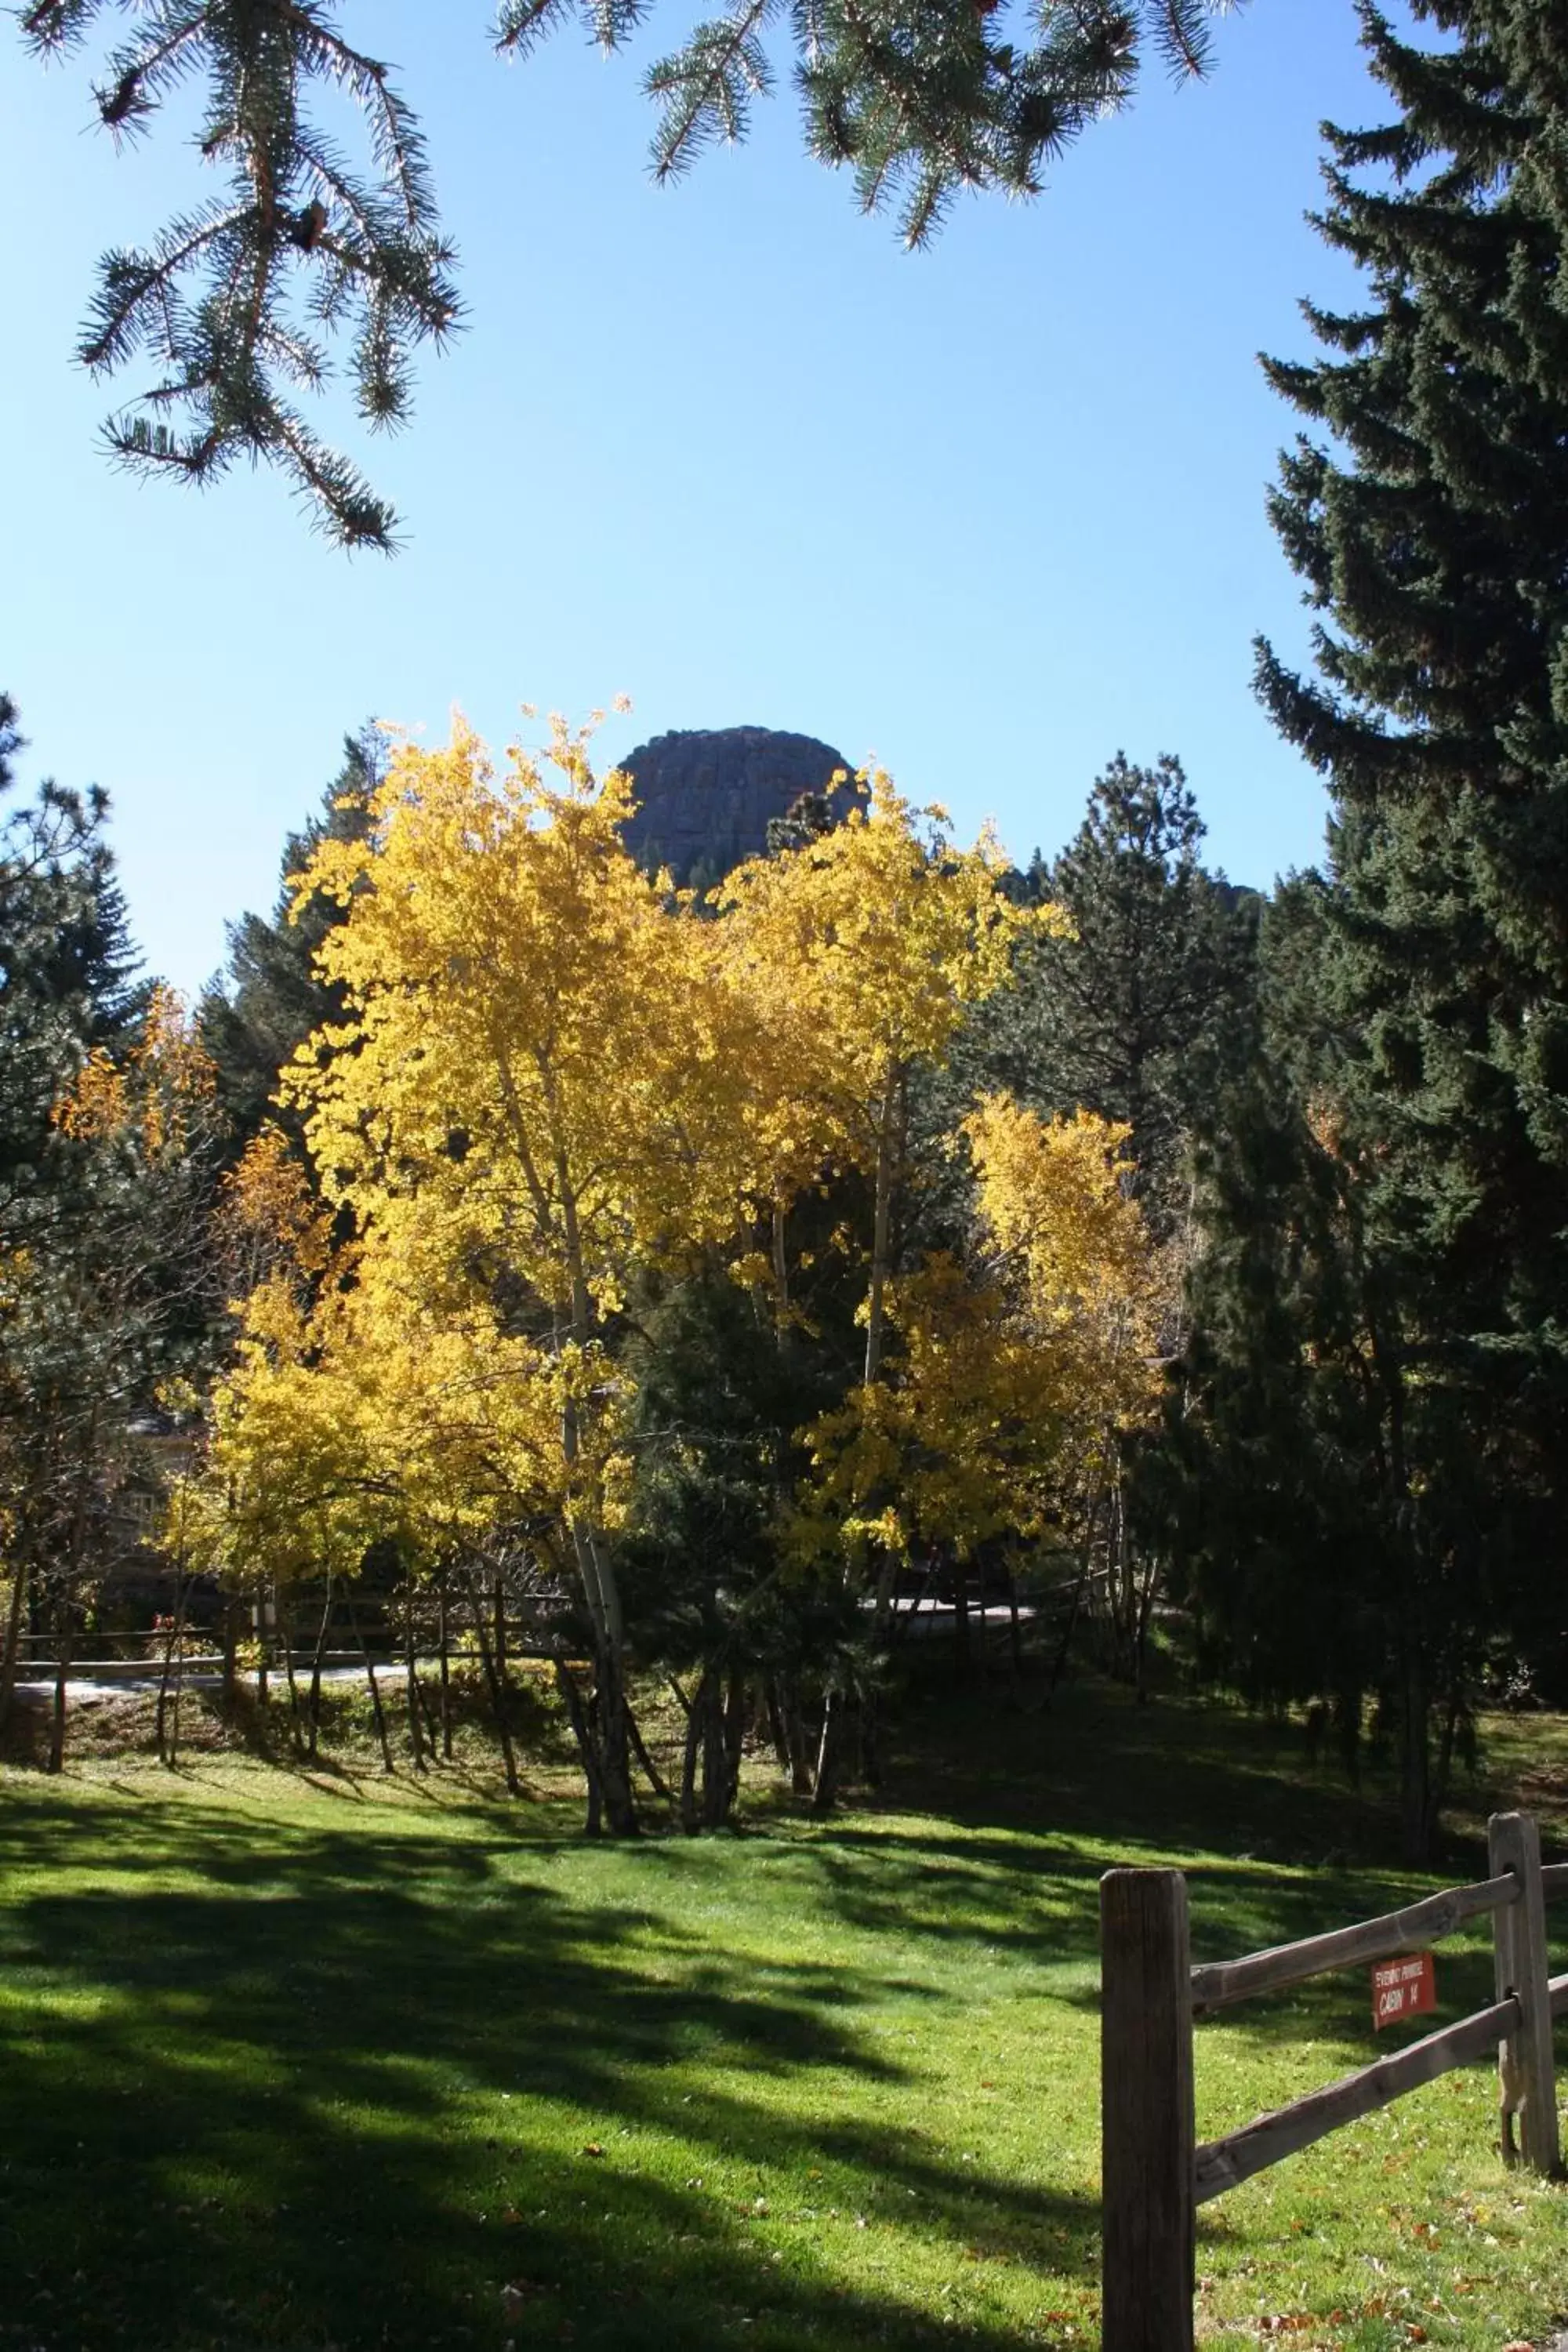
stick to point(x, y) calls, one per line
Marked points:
point(232, 302)
point(1283, 1490)
point(102, 1219)
point(1134, 1009)
point(722, 1399)
point(116, 1293)
point(67, 969)
point(270, 1000)
point(1423, 1010)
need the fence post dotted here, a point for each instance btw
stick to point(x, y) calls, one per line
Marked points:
point(1148, 2133)
point(1519, 1938)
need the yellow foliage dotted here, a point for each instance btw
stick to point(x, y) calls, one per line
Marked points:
point(376, 1415)
point(155, 1097)
point(858, 953)
point(1006, 1392)
point(967, 1435)
point(1053, 1194)
point(553, 1071)
point(268, 1217)
point(540, 1058)
point(1075, 1249)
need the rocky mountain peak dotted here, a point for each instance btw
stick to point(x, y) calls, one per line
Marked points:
point(705, 794)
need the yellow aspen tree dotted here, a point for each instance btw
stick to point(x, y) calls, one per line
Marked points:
point(859, 951)
point(532, 1087)
point(1009, 1383)
point(1071, 1243)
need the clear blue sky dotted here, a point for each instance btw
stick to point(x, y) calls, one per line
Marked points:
point(989, 512)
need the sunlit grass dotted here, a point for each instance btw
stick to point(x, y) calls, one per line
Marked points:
point(293, 2062)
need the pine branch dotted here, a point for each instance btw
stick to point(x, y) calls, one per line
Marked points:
point(521, 25)
point(216, 296)
point(707, 87)
point(921, 98)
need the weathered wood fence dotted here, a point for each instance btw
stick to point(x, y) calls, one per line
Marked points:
point(1156, 2174)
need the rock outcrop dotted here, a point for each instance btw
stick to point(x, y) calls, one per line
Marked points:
point(705, 794)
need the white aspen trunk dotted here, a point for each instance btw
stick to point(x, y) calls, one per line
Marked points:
point(881, 1223)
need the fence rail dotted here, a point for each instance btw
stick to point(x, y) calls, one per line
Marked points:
point(1156, 2174)
point(1224, 1982)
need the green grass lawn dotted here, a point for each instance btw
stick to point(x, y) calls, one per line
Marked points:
point(290, 2061)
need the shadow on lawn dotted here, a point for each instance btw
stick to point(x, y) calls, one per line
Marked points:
point(1050, 1801)
point(254, 2084)
point(282, 2084)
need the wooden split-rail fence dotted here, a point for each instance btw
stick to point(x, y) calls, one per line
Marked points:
point(1155, 2172)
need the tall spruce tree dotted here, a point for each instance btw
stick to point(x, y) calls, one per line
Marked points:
point(67, 970)
point(1135, 1008)
point(1424, 1011)
point(70, 1354)
point(270, 998)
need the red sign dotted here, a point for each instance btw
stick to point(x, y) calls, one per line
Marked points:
point(1403, 1989)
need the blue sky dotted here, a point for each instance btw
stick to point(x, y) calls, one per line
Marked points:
point(987, 513)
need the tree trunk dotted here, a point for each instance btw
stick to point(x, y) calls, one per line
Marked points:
point(776, 1723)
point(444, 1636)
point(829, 1754)
point(15, 1616)
point(582, 1731)
point(497, 1688)
point(715, 1757)
point(179, 1697)
point(611, 1798)
point(695, 1715)
point(286, 1626)
point(794, 1738)
point(430, 1716)
point(230, 1651)
point(174, 1649)
point(65, 1629)
point(614, 1740)
point(313, 1729)
point(1148, 1590)
point(374, 1689)
point(415, 1728)
point(66, 1615)
point(736, 1706)
point(655, 1779)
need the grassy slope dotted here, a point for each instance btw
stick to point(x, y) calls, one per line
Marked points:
point(293, 2063)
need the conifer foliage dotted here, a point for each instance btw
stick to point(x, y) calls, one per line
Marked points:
point(270, 998)
point(231, 302)
point(67, 968)
point(1133, 1005)
point(1416, 1183)
point(234, 300)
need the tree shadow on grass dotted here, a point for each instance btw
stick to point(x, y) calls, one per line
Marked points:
point(280, 2085)
point(1169, 1776)
point(1033, 1809)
